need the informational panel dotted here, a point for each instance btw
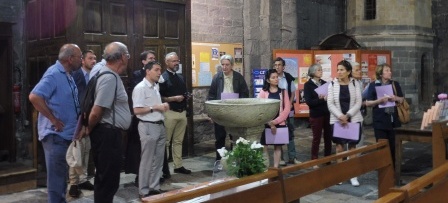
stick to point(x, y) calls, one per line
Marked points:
point(258, 76)
point(297, 64)
point(205, 61)
point(369, 61)
point(329, 61)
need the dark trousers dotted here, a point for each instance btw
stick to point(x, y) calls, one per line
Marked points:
point(165, 167)
point(220, 138)
point(133, 149)
point(390, 136)
point(106, 147)
point(318, 125)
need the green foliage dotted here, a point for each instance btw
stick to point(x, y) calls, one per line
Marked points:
point(246, 159)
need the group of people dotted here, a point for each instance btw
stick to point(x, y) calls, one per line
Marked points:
point(344, 103)
point(159, 104)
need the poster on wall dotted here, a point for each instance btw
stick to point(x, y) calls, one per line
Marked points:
point(325, 61)
point(206, 61)
point(258, 80)
point(369, 62)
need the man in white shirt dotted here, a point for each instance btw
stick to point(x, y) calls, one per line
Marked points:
point(149, 109)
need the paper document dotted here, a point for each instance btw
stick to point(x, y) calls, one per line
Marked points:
point(348, 131)
point(281, 137)
point(382, 91)
point(322, 90)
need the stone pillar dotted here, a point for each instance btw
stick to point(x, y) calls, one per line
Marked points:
point(404, 28)
point(268, 25)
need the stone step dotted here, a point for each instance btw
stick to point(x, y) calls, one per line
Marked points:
point(16, 179)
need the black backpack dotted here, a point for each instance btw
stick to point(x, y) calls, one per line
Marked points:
point(89, 97)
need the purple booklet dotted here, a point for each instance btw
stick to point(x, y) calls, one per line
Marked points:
point(281, 137)
point(382, 91)
point(229, 96)
point(349, 131)
point(322, 90)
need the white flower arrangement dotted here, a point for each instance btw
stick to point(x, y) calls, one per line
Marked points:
point(246, 159)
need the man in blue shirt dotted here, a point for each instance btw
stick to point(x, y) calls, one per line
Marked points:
point(56, 99)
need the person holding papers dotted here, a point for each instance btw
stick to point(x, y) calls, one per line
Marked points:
point(319, 114)
point(272, 91)
point(385, 119)
point(224, 84)
point(344, 102)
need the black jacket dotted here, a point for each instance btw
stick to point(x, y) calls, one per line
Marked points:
point(318, 107)
point(382, 120)
point(217, 86)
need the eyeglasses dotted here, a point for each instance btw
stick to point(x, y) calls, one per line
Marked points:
point(128, 56)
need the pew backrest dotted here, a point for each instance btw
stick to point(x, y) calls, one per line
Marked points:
point(301, 179)
point(271, 191)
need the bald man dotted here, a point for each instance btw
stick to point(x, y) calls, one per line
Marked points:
point(109, 116)
point(56, 99)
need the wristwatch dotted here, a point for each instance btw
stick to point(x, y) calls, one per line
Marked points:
point(150, 109)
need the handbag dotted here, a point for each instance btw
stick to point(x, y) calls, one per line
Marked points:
point(403, 109)
point(73, 156)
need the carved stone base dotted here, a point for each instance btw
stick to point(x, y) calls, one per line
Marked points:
point(252, 134)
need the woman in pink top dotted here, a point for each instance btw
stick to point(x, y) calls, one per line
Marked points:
point(272, 91)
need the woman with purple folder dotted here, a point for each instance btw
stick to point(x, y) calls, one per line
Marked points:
point(319, 114)
point(272, 91)
point(344, 102)
point(384, 119)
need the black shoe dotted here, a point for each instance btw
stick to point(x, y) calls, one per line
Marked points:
point(136, 181)
point(161, 180)
point(86, 186)
point(155, 192)
point(182, 170)
point(74, 191)
point(166, 176)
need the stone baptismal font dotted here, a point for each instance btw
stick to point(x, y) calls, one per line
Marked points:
point(243, 117)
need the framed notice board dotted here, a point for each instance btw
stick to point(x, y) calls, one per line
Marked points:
point(205, 61)
point(297, 64)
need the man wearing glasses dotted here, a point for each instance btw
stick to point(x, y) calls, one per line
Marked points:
point(56, 98)
point(110, 115)
point(174, 91)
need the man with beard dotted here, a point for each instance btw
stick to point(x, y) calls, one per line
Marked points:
point(174, 91)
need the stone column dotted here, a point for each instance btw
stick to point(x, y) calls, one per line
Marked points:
point(268, 25)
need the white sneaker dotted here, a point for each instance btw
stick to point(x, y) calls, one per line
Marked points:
point(282, 163)
point(354, 182)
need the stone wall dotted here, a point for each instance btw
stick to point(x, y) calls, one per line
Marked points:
point(318, 19)
point(440, 26)
point(260, 25)
point(410, 39)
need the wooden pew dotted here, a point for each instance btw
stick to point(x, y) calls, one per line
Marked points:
point(266, 193)
point(432, 187)
point(301, 179)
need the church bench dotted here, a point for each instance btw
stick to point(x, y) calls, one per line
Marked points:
point(227, 191)
point(302, 179)
point(432, 187)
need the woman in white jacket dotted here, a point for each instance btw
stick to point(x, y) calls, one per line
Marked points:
point(344, 102)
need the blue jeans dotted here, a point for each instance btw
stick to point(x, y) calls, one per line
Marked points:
point(55, 148)
point(291, 145)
